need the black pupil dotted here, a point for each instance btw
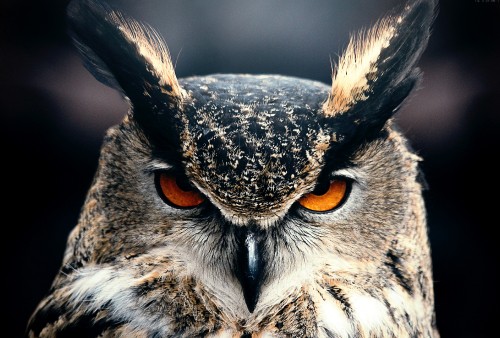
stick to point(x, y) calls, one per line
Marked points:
point(321, 188)
point(183, 183)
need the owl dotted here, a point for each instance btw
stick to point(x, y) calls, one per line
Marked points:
point(237, 205)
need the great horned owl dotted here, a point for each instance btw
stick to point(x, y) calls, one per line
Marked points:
point(240, 205)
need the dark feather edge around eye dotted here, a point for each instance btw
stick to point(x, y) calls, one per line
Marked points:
point(175, 173)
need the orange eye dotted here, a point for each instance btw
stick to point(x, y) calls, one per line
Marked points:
point(325, 201)
point(178, 192)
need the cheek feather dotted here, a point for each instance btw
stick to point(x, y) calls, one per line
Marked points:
point(334, 320)
point(371, 314)
point(111, 288)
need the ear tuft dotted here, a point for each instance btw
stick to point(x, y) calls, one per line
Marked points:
point(357, 66)
point(152, 48)
point(122, 52)
point(377, 61)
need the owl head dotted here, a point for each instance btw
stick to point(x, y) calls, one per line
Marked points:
point(246, 190)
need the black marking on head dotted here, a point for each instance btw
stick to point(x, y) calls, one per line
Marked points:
point(330, 334)
point(250, 138)
point(390, 309)
point(396, 267)
point(339, 295)
point(421, 282)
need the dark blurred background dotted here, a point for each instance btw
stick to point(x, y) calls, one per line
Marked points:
point(55, 114)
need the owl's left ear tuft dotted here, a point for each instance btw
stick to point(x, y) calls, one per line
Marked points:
point(377, 70)
point(131, 57)
point(121, 52)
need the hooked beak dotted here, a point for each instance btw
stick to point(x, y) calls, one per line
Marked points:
point(249, 264)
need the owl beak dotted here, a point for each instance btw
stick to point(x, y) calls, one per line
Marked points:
point(250, 265)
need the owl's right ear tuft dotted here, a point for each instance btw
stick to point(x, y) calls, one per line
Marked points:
point(377, 71)
point(131, 57)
